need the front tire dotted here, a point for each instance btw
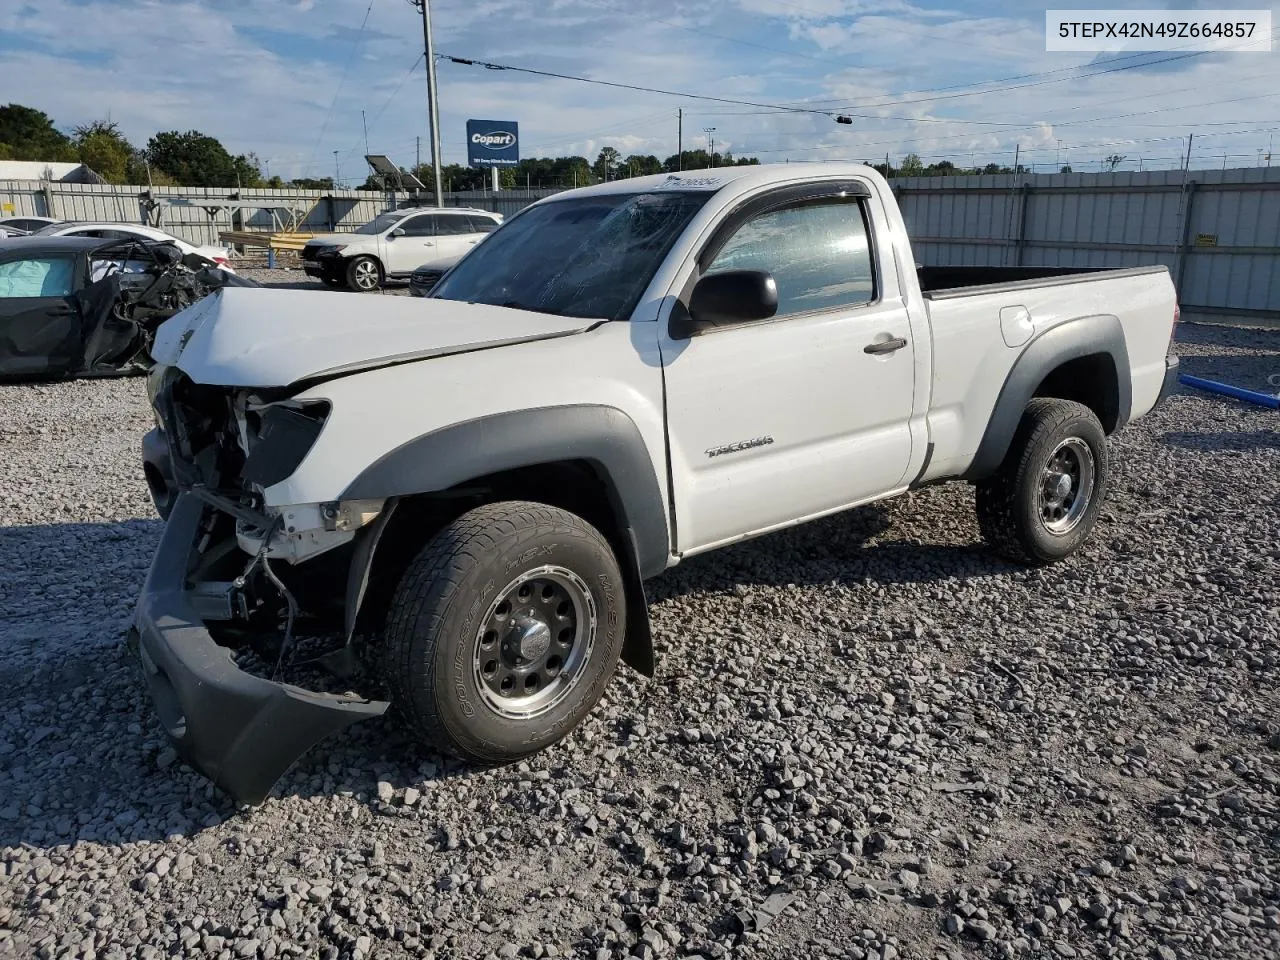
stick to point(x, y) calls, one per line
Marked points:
point(364, 275)
point(504, 631)
point(1042, 503)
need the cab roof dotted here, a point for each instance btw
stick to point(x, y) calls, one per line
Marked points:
point(716, 178)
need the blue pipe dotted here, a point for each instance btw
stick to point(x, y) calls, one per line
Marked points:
point(1249, 396)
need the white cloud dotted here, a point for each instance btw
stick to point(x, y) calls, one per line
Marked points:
point(261, 74)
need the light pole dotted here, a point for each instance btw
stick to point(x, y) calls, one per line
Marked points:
point(711, 144)
point(433, 100)
point(337, 171)
point(1059, 154)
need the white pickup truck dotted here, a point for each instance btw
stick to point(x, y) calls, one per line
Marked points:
point(469, 489)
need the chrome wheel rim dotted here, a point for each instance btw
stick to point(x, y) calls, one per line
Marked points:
point(534, 642)
point(1066, 486)
point(366, 275)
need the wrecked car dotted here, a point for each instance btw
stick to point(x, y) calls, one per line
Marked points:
point(467, 490)
point(82, 307)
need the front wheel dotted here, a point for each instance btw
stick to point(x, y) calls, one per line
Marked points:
point(504, 631)
point(1043, 501)
point(364, 274)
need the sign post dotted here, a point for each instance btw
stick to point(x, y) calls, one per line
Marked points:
point(493, 144)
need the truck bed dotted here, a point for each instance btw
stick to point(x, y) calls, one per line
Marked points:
point(938, 282)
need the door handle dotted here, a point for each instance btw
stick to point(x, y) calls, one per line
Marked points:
point(885, 346)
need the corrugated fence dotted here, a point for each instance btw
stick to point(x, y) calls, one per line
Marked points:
point(1217, 230)
point(198, 214)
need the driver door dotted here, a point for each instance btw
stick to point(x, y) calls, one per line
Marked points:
point(414, 247)
point(805, 413)
point(40, 324)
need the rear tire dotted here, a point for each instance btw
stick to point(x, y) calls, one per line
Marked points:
point(364, 275)
point(504, 631)
point(1042, 503)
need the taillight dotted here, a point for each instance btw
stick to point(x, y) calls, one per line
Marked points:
point(221, 261)
point(1177, 314)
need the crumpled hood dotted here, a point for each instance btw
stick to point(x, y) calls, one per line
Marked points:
point(264, 337)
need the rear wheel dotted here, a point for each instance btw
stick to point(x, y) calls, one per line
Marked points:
point(1043, 501)
point(364, 275)
point(505, 630)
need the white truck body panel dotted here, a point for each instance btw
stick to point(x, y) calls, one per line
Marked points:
point(608, 366)
point(247, 337)
point(966, 331)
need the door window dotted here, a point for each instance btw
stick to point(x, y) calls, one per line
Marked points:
point(453, 225)
point(817, 251)
point(39, 277)
point(481, 224)
point(421, 226)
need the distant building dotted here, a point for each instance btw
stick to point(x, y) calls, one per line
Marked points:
point(40, 170)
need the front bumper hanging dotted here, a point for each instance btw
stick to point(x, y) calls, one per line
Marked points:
point(241, 731)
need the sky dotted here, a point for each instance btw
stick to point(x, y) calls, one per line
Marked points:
point(964, 81)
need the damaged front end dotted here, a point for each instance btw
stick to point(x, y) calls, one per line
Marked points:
point(226, 616)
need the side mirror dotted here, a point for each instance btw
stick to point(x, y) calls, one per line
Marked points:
point(734, 296)
point(397, 232)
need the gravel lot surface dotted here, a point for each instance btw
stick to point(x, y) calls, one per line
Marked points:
point(868, 738)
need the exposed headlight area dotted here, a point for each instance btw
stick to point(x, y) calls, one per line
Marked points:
point(233, 441)
point(278, 437)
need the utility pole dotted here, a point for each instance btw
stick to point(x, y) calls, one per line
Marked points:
point(365, 123)
point(417, 154)
point(680, 139)
point(711, 144)
point(433, 99)
point(337, 171)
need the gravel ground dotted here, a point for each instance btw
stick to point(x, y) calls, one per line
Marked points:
point(867, 738)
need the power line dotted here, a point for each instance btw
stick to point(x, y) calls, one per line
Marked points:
point(831, 114)
point(720, 36)
point(355, 46)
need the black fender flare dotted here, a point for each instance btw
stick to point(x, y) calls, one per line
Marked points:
point(601, 436)
point(1081, 337)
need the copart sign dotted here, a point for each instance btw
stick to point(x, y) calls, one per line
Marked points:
point(493, 143)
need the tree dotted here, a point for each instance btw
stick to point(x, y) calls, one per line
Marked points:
point(311, 183)
point(641, 166)
point(912, 166)
point(1065, 169)
point(29, 134)
point(102, 148)
point(606, 163)
point(194, 159)
point(1114, 161)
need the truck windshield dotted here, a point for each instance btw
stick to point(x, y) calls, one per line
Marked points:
point(589, 257)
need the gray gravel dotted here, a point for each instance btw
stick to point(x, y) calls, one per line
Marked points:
point(867, 738)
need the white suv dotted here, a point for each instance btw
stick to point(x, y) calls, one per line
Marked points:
point(394, 244)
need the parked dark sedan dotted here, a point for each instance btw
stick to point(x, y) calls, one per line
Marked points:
point(76, 306)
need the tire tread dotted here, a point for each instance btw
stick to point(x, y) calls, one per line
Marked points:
point(997, 496)
point(421, 606)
